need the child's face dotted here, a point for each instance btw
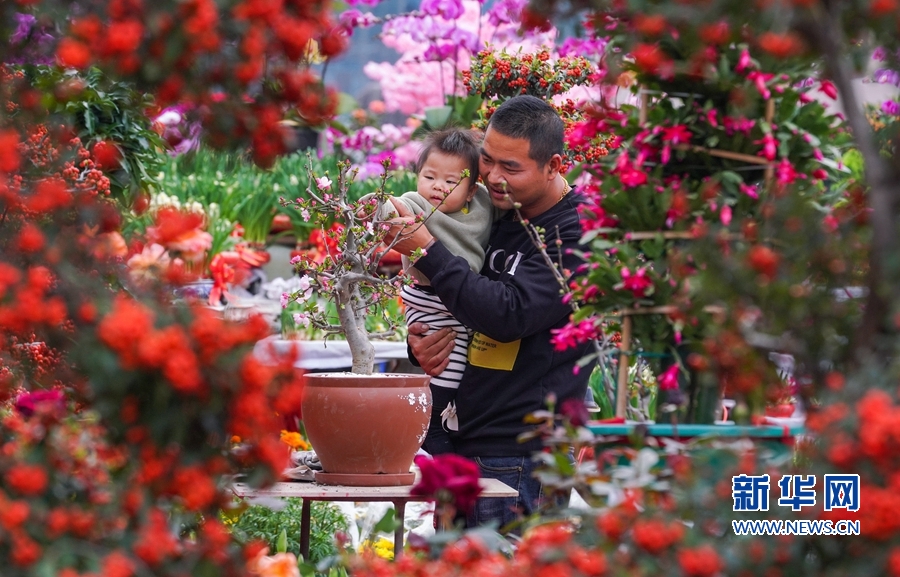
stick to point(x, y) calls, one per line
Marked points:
point(440, 182)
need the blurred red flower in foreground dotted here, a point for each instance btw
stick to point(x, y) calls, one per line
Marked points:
point(449, 479)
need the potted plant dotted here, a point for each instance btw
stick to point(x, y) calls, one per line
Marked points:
point(365, 427)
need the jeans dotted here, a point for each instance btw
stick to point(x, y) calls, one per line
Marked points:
point(518, 473)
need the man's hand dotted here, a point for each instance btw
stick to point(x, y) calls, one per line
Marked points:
point(410, 234)
point(432, 351)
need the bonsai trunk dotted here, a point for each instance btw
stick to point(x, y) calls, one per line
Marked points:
point(352, 316)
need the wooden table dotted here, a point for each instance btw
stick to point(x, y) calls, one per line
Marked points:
point(399, 496)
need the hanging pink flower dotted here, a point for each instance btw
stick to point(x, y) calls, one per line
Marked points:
point(725, 215)
point(760, 79)
point(785, 173)
point(770, 146)
point(744, 61)
point(668, 381)
point(829, 89)
point(629, 173)
point(638, 283)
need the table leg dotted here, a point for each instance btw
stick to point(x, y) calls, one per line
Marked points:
point(305, 515)
point(400, 509)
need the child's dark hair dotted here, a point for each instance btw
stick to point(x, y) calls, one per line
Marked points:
point(455, 142)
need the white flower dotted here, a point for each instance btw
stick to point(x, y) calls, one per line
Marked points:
point(323, 182)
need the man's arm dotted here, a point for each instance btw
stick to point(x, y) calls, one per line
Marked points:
point(524, 304)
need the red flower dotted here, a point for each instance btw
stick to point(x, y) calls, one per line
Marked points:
point(73, 54)
point(764, 260)
point(9, 153)
point(448, 478)
point(780, 45)
point(717, 33)
point(702, 561)
point(649, 58)
point(107, 156)
point(27, 479)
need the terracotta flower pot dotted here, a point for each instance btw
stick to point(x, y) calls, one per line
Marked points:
point(366, 429)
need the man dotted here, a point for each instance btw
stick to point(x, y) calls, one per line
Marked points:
point(512, 306)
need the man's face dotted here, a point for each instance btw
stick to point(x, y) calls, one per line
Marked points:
point(511, 176)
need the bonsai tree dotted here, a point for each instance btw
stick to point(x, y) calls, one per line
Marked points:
point(348, 275)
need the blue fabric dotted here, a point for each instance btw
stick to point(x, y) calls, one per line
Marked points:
point(518, 473)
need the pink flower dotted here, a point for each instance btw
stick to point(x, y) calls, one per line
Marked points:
point(448, 479)
point(638, 283)
point(785, 172)
point(573, 334)
point(744, 61)
point(760, 79)
point(323, 183)
point(750, 190)
point(770, 146)
point(725, 215)
point(150, 264)
point(668, 381)
point(829, 89)
point(630, 175)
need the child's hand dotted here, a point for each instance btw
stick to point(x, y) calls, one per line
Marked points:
point(406, 234)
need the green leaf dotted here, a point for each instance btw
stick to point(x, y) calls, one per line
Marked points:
point(388, 523)
point(281, 542)
point(437, 116)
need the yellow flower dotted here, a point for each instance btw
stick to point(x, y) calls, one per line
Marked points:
point(383, 547)
point(294, 440)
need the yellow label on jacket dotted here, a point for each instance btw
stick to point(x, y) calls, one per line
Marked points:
point(487, 353)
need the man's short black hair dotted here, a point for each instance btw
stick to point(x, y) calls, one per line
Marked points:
point(530, 117)
point(460, 142)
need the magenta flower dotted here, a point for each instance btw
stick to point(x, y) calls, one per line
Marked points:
point(770, 146)
point(891, 107)
point(629, 173)
point(638, 283)
point(351, 19)
point(575, 411)
point(785, 173)
point(759, 79)
point(744, 61)
point(573, 334)
point(45, 402)
point(449, 479)
point(829, 89)
point(668, 381)
point(449, 9)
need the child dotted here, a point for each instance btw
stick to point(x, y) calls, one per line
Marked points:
point(462, 222)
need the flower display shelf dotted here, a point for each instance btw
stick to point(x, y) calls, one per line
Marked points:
point(625, 345)
point(777, 438)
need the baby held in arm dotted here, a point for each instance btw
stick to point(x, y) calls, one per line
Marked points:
point(459, 213)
